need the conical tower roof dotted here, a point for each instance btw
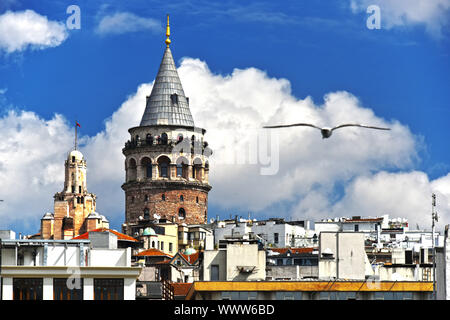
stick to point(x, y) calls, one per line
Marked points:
point(167, 104)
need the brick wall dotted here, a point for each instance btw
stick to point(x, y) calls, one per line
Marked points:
point(195, 211)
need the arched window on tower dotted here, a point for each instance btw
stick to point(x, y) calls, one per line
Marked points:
point(146, 164)
point(181, 198)
point(182, 167)
point(163, 163)
point(181, 213)
point(164, 138)
point(197, 169)
point(146, 214)
point(163, 197)
point(132, 170)
point(149, 139)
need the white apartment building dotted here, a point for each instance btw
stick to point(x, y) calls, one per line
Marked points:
point(272, 232)
point(94, 269)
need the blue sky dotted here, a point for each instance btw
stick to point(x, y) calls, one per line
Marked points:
point(401, 72)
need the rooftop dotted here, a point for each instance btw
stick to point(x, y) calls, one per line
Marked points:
point(153, 253)
point(120, 236)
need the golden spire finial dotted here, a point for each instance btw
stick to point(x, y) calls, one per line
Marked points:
point(168, 32)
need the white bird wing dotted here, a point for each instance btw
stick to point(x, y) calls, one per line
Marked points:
point(358, 125)
point(293, 125)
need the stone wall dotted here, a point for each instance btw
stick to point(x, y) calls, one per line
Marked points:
point(166, 203)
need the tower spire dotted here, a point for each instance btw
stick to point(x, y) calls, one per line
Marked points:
point(168, 32)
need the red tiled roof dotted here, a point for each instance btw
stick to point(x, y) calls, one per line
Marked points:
point(120, 236)
point(192, 258)
point(181, 289)
point(153, 252)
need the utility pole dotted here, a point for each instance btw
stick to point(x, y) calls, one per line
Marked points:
point(434, 218)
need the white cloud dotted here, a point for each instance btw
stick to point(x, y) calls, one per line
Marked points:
point(232, 107)
point(32, 154)
point(401, 194)
point(28, 29)
point(433, 14)
point(124, 22)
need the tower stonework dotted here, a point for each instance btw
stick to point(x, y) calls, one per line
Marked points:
point(166, 158)
point(74, 207)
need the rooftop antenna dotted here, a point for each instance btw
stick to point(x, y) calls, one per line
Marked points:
point(434, 218)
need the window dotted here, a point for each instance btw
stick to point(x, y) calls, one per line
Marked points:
point(164, 168)
point(146, 213)
point(181, 198)
point(279, 262)
point(146, 164)
point(108, 289)
point(79, 189)
point(179, 170)
point(275, 237)
point(215, 272)
point(68, 289)
point(132, 170)
point(73, 158)
point(164, 138)
point(73, 189)
point(285, 295)
point(174, 98)
point(27, 288)
point(170, 246)
point(196, 199)
point(181, 213)
point(163, 197)
point(146, 197)
point(356, 227)
point(161, 246)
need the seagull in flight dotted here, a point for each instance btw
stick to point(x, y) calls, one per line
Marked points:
point(326, 132)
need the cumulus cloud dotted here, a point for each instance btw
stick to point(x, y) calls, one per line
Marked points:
point(27, 29)
point(32, 154)
point(400, 194)
point(356, 171)
point(124, 22)
point(433, 14)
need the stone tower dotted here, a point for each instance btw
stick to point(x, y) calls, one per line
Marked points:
point(166, 161)
point(74, 207)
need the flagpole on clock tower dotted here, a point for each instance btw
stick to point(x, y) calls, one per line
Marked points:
point(76, 133)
